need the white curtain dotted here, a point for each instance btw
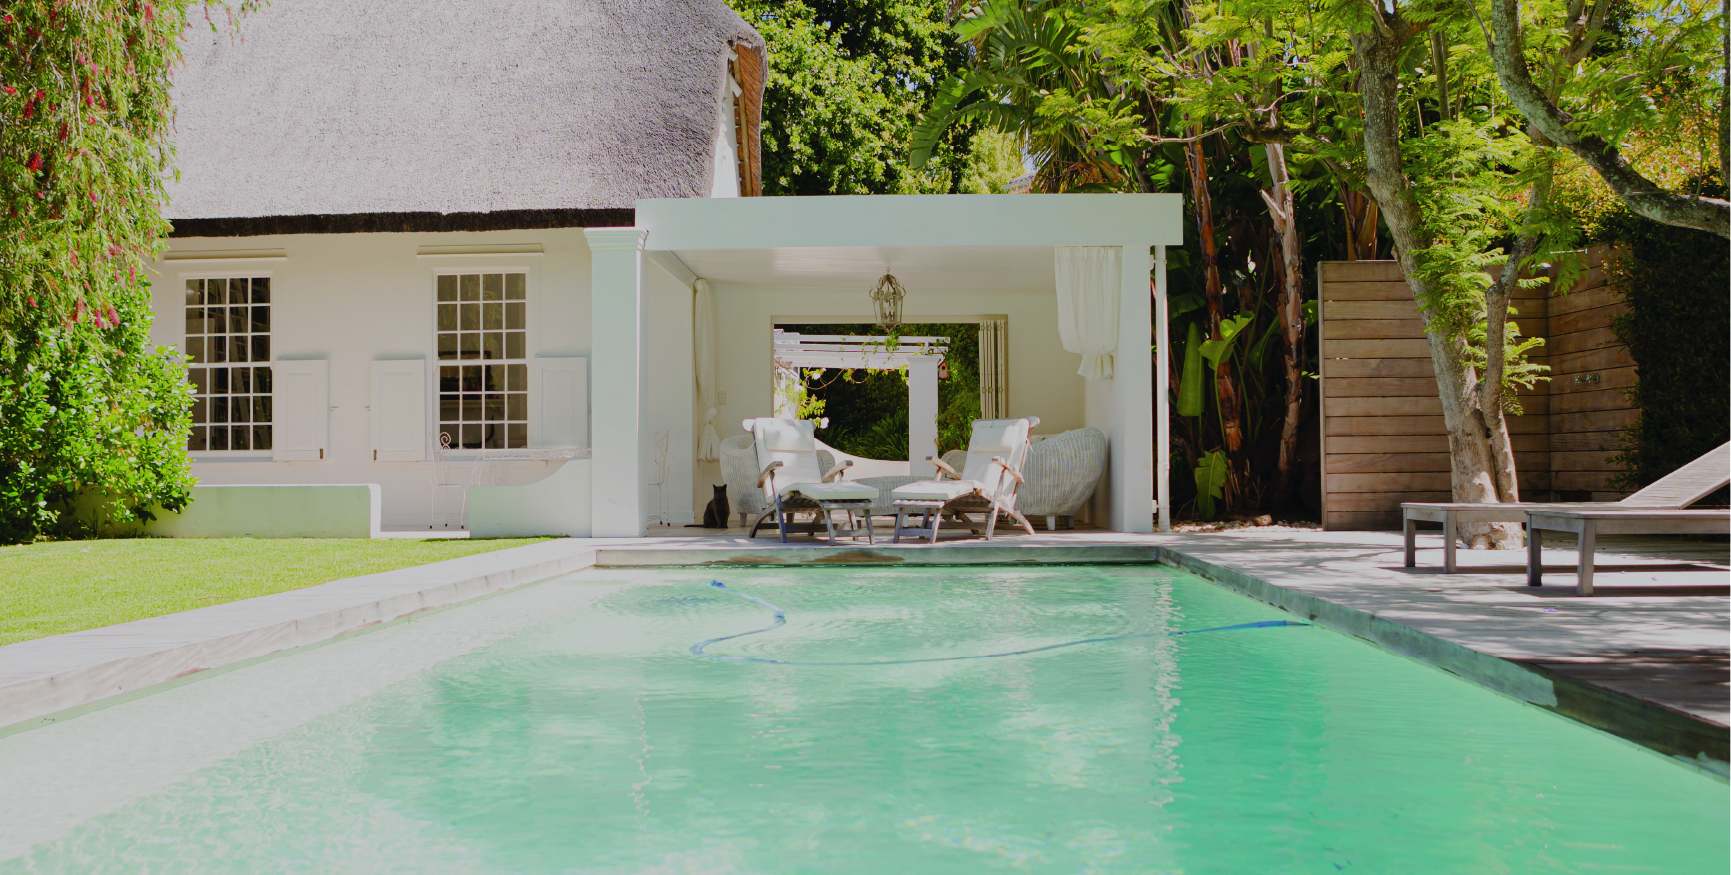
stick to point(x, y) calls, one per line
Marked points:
point(703, 345)
point(994, 368)
point(1089, 288)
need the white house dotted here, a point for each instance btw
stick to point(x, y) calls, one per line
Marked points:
point(450, 260)
point(378, 240)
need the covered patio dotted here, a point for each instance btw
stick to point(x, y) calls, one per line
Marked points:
point(769, 261)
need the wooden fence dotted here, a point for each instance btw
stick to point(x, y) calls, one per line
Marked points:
point(1383, 440)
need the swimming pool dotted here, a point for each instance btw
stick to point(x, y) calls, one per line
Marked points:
point(570, 727)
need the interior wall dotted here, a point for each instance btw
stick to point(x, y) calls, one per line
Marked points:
point(351, 299)
point(669, 390)
point(1042, 377)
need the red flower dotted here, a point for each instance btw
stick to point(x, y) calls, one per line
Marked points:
point(35, 162)
point(11, 90)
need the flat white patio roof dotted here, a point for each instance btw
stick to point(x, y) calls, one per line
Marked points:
point(913, 221)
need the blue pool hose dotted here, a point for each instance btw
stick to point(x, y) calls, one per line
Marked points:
point(781, 620)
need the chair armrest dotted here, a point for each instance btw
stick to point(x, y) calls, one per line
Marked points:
point(944, 467)
point(836, 472)
point(767, 471)
point(999, 460)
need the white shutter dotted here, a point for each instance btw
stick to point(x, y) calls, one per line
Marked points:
point(399, 410)
point(559, 411)
point(300, 410)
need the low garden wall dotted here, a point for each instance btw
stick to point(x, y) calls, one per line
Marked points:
point(347, 510)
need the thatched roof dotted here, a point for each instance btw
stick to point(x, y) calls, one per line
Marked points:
point(395, 114)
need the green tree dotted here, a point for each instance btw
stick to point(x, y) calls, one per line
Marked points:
point(93, 419)
point(847, 80)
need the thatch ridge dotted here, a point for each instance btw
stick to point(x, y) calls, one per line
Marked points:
point(399, 223)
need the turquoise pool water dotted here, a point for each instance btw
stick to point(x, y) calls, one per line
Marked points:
point(589, 738)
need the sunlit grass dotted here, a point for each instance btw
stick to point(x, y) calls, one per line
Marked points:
point(66, 586)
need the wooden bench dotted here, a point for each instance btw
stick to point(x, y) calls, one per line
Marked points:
point(1588, 524)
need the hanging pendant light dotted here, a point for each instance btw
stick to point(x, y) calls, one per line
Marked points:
point(887, 298)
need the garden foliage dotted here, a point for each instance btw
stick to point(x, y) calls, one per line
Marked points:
point(91, 415)
point(847, 80)
point(1678, 330)
point(1179, 95)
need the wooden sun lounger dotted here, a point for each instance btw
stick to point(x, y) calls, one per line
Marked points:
point(986, 485)
point(792, 484)
point(1588, 523)
point(1674, 491)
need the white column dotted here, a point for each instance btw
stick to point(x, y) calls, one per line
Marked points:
point(1132, 435)
point(1162, 396)
point(617, 372)
point(922, 414)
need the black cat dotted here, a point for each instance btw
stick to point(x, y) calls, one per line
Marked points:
point(715, 513)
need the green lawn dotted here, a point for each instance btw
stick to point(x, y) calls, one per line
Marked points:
point(65, 586)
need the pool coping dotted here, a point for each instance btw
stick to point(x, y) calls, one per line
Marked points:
point(47, 679)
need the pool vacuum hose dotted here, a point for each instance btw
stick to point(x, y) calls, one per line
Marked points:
point(781, 620)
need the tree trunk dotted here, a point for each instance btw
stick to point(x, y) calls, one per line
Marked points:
point(1225, 390)
point(1290, 310)
point(1471, 456)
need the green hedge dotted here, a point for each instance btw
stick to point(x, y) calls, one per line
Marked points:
point(1678, 329)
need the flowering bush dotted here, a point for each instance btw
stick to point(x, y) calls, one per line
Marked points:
point(90, 415)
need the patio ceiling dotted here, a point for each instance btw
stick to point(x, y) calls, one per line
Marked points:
point(949, 268)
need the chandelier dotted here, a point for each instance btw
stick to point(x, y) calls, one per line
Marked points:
point(887, 298)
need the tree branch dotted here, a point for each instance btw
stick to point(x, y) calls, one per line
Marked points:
point(1641, 194)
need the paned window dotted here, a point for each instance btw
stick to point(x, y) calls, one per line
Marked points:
point(483, 361)
point(228, 341)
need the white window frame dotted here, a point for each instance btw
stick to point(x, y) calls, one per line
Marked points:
point(531, 336)
point(236, 272)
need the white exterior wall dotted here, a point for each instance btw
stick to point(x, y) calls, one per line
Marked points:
point(351, 299)
point(671, 393)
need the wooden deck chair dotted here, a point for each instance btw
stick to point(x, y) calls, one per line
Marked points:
point(1674, 491)
point(792, 484)
point(986, 485)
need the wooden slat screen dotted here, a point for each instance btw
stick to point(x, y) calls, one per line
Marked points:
point(1591, 375)
point(1383, 440)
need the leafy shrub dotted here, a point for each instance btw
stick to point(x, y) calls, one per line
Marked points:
point(1674, 281)
point(93, 426)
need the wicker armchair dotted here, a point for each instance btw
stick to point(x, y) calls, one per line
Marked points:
point(739, 471)
point(1063, 471)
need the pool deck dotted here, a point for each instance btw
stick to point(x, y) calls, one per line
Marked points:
point(1647, 658)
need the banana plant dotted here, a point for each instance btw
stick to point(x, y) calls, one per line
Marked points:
point(1215, 350)
point(1190, 386)
point(1210, 482)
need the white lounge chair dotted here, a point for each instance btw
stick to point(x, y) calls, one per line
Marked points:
point(1674, 491)
point(792, 484)
point(986, 484)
